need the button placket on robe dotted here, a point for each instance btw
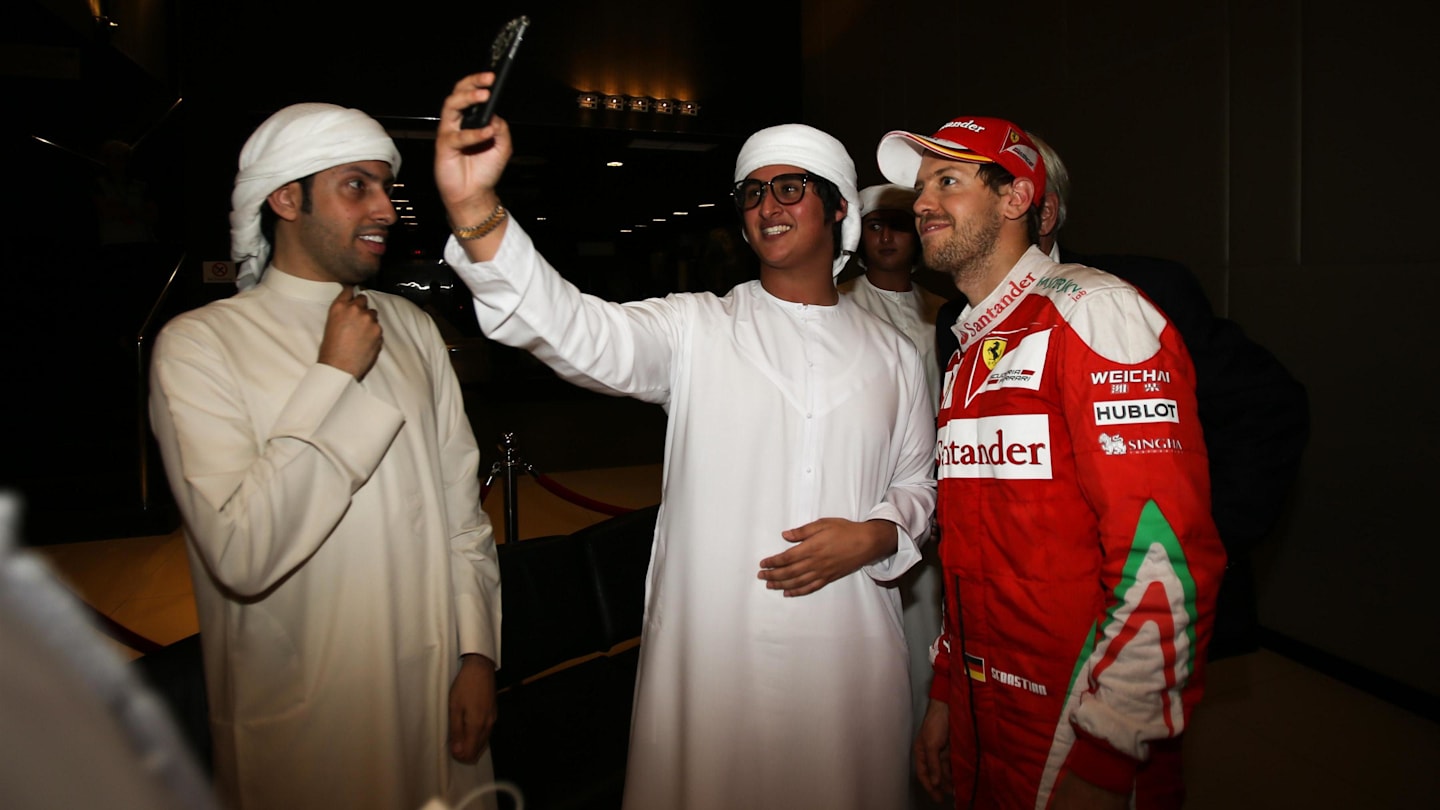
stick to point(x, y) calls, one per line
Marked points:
point(809, 487)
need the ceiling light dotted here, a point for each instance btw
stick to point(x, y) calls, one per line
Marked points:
point(616, 102)
point(615, 164)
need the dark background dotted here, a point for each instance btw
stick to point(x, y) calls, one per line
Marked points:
point(185, 83)
point(1279, 149)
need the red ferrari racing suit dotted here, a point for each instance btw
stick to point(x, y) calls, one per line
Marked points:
point(1081, 562)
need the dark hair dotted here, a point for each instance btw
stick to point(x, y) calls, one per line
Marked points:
point(268, 216)
point(996, 177)
point(830, 198)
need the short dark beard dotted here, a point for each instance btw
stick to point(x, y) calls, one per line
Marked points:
point(965, 253)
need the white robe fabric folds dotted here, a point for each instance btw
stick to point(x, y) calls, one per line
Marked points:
point(779, 414)
point(912, 312)
point(921, 589)
point(341, 562)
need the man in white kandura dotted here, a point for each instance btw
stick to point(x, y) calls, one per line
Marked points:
point(345, 575)
point(797, 464)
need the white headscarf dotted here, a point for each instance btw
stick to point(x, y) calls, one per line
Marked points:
point(295, 142)
point(886, 197)
point(815, 152)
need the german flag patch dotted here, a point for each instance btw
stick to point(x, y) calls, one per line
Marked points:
point(975, 665)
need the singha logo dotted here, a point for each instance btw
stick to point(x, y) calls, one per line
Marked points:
point(1112, 445)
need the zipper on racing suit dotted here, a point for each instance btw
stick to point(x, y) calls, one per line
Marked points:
point(970, 689)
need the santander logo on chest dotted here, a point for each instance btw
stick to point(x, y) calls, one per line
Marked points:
point(1013, 446)
point(1009, 446)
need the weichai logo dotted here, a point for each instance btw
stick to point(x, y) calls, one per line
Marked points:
point(1006, 447)
point(1119, 376)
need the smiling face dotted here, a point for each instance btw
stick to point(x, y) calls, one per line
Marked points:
point(790, 236)
point(339, 231)
point(958, 217)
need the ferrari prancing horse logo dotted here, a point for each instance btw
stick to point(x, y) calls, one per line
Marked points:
point(991, 351)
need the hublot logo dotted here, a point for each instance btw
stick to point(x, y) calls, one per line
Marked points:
point(1136, 412)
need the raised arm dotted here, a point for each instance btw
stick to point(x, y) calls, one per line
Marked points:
point(520, 300)
point(468, 165)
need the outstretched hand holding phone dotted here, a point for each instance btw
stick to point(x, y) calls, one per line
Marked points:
point(502, 56)
point(472, 147)
point(468, 165)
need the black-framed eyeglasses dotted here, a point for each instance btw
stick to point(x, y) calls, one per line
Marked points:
point(787, 188)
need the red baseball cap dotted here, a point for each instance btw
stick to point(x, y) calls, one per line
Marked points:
point(968, 139)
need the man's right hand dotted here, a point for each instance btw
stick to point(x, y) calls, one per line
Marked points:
point(932, 751)
point(469, 162)
point(352, 335)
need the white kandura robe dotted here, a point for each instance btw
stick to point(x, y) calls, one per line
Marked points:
point(779, 414)
point(912, 312)
point(921, 591)
point(341, 561)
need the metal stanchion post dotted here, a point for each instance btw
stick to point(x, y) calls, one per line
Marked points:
point(512, 465)
point(512, 497)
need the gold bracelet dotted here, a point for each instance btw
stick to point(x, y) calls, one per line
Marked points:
point(485, 228)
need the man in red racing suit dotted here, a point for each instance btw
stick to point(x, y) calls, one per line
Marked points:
point(1081, 562)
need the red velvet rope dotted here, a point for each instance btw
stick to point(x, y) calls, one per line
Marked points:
point(560, 490)
point(555, 488)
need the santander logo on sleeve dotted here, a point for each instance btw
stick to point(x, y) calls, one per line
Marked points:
point(1014, 446)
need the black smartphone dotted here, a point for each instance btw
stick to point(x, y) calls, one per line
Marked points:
point(502, 56)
